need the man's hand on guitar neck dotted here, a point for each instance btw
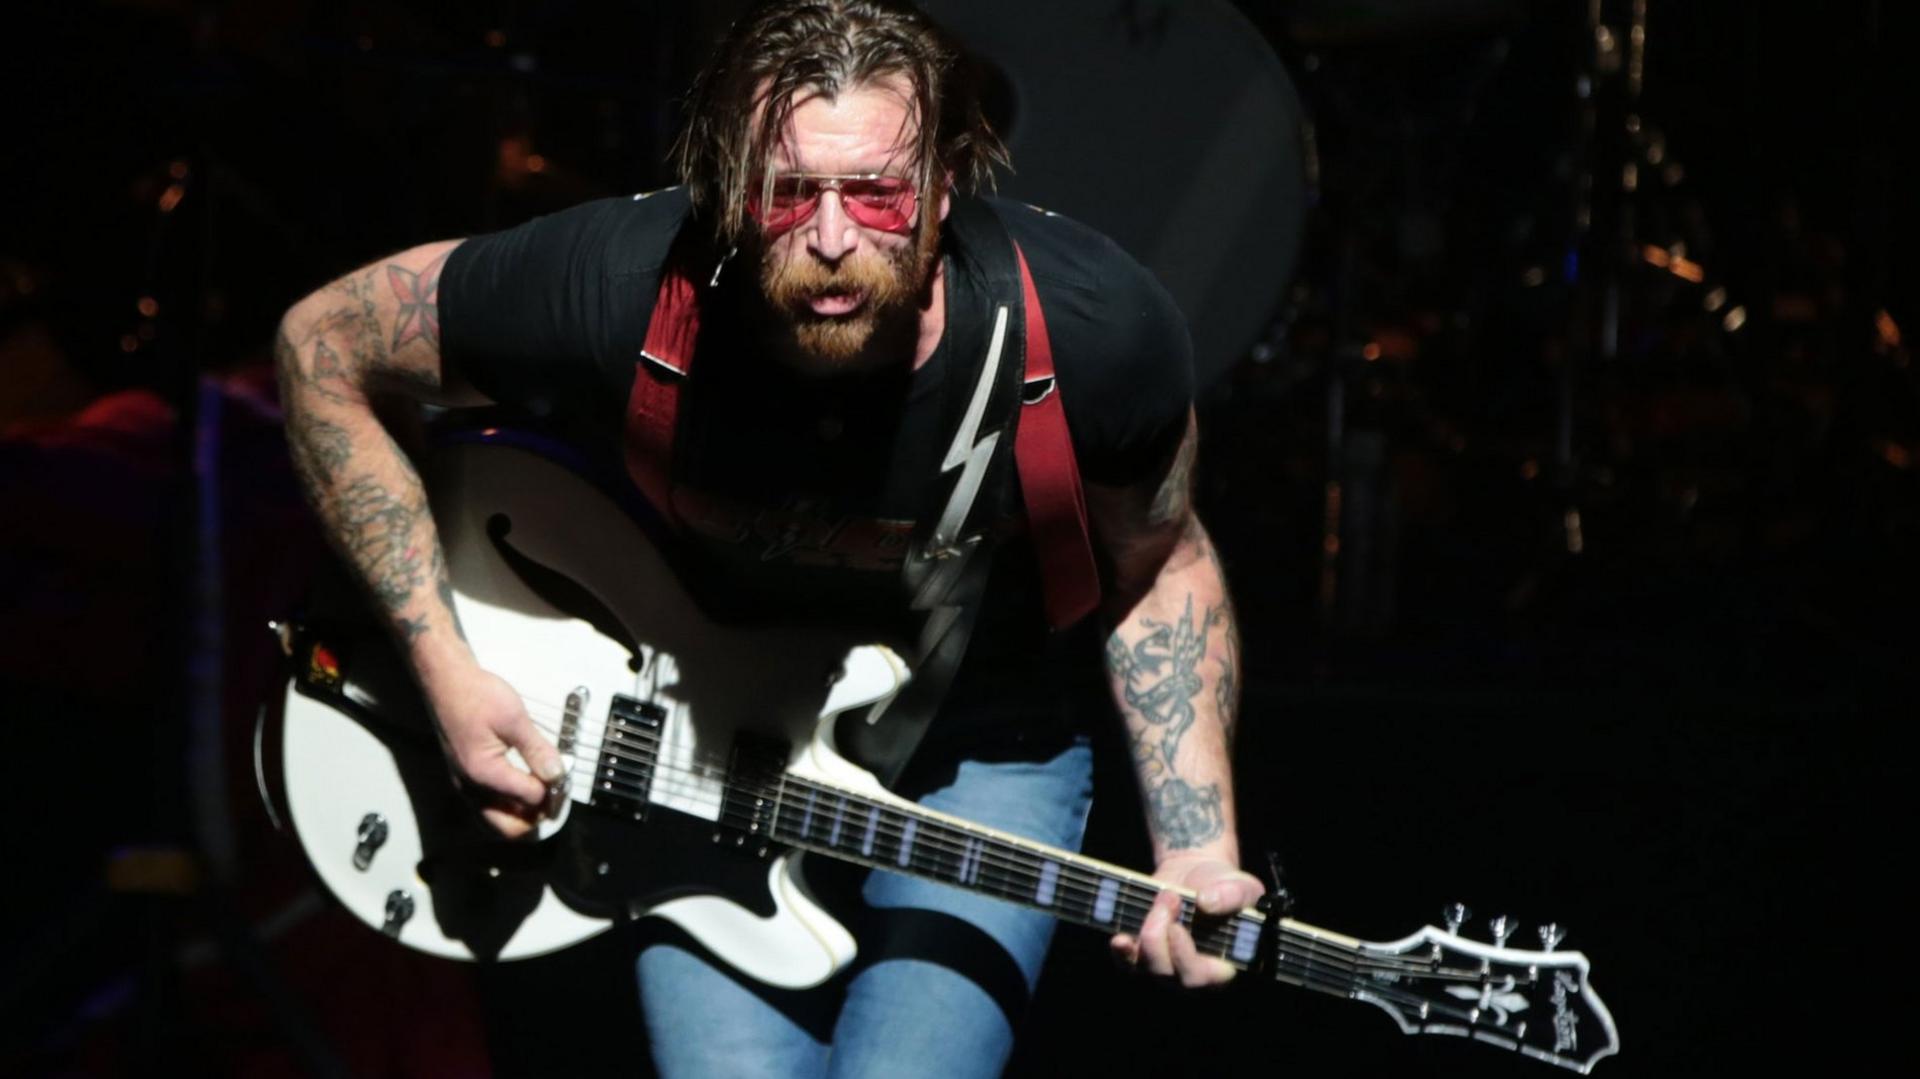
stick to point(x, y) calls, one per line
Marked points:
point(480, 719)
point(1165, 947)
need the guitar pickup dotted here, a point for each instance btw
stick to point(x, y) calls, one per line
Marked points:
point(623, 775)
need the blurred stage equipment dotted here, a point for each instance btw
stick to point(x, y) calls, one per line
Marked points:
point(1167, 124)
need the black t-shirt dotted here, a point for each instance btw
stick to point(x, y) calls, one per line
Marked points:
point(800, 493)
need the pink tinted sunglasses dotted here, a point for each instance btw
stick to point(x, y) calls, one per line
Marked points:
point(873, 200)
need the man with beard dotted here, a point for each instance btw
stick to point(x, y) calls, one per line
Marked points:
point(820, 265)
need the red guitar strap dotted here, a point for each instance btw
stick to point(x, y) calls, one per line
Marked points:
point(1050, 478)
point(1043, 446)
point(653, 408)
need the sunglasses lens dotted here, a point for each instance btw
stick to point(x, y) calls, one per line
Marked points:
point(884, 202)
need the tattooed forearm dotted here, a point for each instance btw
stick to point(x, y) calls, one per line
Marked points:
point(320, 451)
point(379, 530)
point(372, 331)
point(1159, 678)
point(1186, 816)
point(1226, 689)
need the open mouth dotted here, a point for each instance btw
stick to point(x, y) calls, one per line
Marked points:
point(832, 304)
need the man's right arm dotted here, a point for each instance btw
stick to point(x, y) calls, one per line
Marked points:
point(378, 330)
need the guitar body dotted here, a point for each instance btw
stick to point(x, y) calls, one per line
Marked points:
point(562, 594)
point(702, 764)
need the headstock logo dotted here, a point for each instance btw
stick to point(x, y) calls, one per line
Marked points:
point(1566, 1036)
point(1499, 999)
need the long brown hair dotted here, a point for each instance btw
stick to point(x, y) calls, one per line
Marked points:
point(779, 49)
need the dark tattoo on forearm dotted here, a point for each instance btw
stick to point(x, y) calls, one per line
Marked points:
point(1226, 691)
point(380, 532)
point(1170, 653)
point(331, 353)
point(1186, 816)
point(320, 450)
point(1159, 678)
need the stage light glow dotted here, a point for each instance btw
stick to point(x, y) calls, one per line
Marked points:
point(1888, 330)
point(171, 197)
point(148, 306)
point(1736, 318)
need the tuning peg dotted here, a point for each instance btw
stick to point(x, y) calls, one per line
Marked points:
point(1551, 934)
point(1502, 927)
point(1455, 915)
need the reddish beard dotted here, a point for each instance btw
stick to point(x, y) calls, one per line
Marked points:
point(892, 287)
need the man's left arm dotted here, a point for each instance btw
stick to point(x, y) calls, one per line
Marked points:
point(1173, 661)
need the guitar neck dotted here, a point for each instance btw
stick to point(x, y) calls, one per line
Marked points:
point(922, 843)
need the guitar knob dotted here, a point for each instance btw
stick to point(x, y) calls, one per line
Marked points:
point(1551, 935)
point(1502, 927)
point(1455, 915)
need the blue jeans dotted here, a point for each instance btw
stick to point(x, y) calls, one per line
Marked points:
point(942, 975)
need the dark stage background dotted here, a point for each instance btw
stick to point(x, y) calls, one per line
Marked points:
point(1568, 492)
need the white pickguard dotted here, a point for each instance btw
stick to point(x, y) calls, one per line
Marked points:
point(711, 679)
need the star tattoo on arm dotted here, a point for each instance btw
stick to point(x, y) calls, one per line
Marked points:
point(417, 316)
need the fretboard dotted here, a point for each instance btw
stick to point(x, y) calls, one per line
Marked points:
point(1073, 888)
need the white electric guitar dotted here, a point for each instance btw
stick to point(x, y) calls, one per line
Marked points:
point(703, 768)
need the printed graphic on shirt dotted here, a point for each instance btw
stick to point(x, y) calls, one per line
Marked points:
point(797, 531)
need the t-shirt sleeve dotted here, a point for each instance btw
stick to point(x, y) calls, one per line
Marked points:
point(1120, 347)
point(542, 315)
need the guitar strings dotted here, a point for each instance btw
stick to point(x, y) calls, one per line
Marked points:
point(944, 838)
point(1130, 902)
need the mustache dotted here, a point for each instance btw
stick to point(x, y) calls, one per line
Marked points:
point(885, 281)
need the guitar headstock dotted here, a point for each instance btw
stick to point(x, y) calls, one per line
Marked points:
point(1537, 1003)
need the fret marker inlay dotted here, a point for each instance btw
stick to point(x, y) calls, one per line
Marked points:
point(1049, 877)
point(839, 815)
point(906, 840)
point(1103, 902)
point(1245, 936)
point(873, 825)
